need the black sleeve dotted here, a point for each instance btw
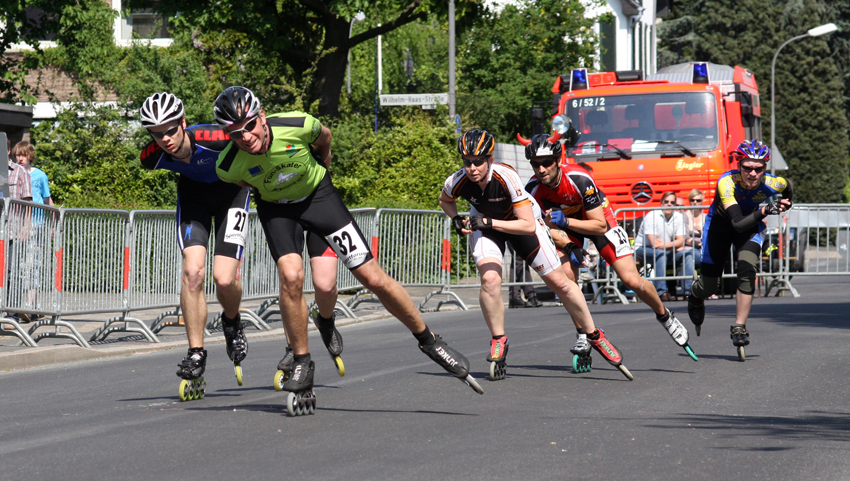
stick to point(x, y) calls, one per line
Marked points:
point(741, 222)
point(151, 155)
point(788, 193)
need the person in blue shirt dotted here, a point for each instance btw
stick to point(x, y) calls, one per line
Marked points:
point(201, 197)
point(735, 218)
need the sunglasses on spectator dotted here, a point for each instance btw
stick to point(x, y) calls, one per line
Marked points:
point(668, 202)
point(757, 170)
point(476, 161)
point(697, 200)
point(170, 132)
point(545, 163)
point(237, 134)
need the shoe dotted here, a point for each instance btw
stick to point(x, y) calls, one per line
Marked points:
point(665, 297)
point(534, 302)
point(517, 303)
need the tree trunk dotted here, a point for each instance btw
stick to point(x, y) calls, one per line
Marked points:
point(330, 70)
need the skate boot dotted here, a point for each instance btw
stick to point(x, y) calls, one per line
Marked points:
point(284, 368)
point(582, 362)
point(237, 345)
point(498, 358)
point(301, 400)
point(740, 338)
point(452, 361)
point(609, 351)
point(678, 332)
point(332, 339)
point(191, 370)
point(696, 311)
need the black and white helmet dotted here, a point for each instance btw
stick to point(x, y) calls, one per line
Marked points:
point(159, 109)
point(540, 146)
point(234, 105)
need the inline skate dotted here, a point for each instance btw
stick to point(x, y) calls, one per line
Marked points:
point(331, 338)
point(498, 358)
point(678, 332)
point(696, 310)
point(191, 370)
point(237, 344)
point(452, 361)
point(609, 351)
point(301, 399)
point(284, 368)
point(740, 338)
point(582, 362)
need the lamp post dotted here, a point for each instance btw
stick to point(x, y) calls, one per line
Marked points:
point(359, 17)
point(814, 32)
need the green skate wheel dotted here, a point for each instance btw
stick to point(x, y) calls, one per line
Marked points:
point(238, 370)
point(691, 353)
point(575, 364)
point(340, 366)
point(626, 372)
point(742, 356)
point(292, 404)
point(184, 391)
point(280, 377)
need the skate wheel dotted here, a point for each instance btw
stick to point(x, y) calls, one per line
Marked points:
point(292, 404)
point(626, 372)
point(280, 377)
point(580, 365)
point(742, 356)
point(184, 391)
point(493, 371)
point(340, 366)
point(691, 353)
point(697, 328)
point(471, 382)
point(238, 370)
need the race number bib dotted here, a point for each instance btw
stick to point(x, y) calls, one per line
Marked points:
point(349, 246)
point(237, 221)
point(618, 238)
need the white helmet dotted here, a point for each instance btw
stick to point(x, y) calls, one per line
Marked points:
point(159, 109)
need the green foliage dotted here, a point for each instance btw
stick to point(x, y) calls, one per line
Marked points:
point(811, 117)
point(404, 166)
point(92, 160)
point(509, 59)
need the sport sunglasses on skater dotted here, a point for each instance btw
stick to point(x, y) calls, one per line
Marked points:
point(170, 132)
point(237, 134)
point(545, 163)
point(477, 161)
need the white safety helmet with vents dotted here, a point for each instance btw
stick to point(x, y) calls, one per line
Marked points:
point(160, 109)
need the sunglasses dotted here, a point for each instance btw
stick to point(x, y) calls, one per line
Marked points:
point(478, 161)
point(757, 170)
point(170, 132)
point(696, 201)
point(237, 134)
point(545, 163)
point(668, 202)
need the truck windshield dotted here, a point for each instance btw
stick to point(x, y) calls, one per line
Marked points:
point(640, 123)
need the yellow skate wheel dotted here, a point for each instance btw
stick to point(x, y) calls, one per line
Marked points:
point(340, 366)
point(238, 370)
point(280, 377)
point(184, 391)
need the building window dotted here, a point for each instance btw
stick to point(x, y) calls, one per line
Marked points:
point(608, 31)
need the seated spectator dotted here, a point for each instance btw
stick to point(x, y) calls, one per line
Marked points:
point(662, 232)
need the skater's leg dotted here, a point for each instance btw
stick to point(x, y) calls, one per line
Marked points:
point(746, 284)
point(324, 282)
point(643, 289)
point(228, 286)
point(293, 307)
point(572, 297)
point(192, 302)
point(490, 297)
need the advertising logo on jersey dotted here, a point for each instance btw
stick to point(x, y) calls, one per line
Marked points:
point(290, 150)
point(283, 176)
point(589, 191)
point(256, 170)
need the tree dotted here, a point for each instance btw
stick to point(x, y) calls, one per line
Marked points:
point(309, 36)
point(24, 22)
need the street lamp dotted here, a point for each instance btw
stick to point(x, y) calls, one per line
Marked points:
point(359, 17)
point(814, 32)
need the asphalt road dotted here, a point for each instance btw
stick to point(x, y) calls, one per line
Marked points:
point(781, 415)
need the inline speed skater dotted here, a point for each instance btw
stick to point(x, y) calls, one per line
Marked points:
point(578, 209)
point(735, 219)
point(201, 198)
point(284, 157)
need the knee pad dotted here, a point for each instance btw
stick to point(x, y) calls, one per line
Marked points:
point(747, 272)
point(705, 286)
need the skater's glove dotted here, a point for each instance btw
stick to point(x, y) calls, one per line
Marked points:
point(773, 208)
point(576, 254)
point(457, 223)
point(557, 217)
point(480, 222)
